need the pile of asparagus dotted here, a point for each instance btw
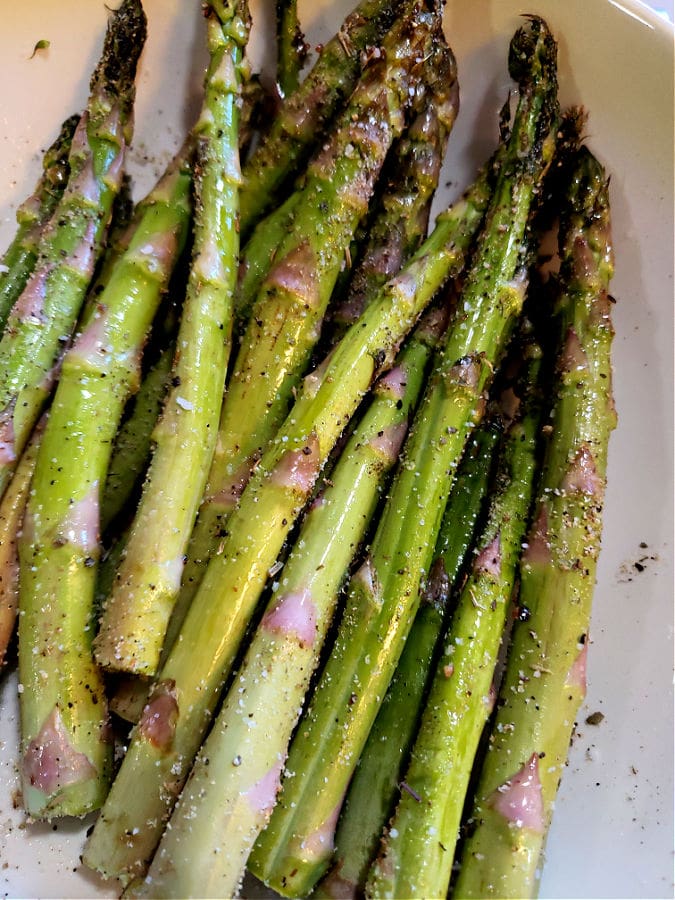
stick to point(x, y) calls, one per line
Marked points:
point(293, 485)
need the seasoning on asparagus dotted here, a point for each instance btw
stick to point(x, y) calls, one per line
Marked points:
point(296, 848)
point(71, 241)
point(286, 319)
point(66, 763)
point(291, 47)
point(374, 788)
point(136, 614)
point(303, 117)
point(20, 257)
point(158, 759)
point(225, 805)
point(418, 845)
point(545, 679)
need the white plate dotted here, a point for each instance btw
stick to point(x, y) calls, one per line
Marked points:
point(612, 831)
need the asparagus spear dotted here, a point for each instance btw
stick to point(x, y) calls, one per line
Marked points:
point(132, 446)
point(20, 257)
point(291, 47)
point(66, 754)
point(545, 679)
point(296, 847)
point(70, 243)
point(12, 507)
point(286, 318)
point(136, 614)
point(419, 842)
point(305, 114)
point(189, 684)
point(372, 792)
point(225, 803)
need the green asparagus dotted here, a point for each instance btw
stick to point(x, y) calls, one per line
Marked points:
point(136, 614)
point(285, 148)
point(286, 319)
point(418, 846)
point(545, 679)
point(70, 243)
point(67, 755)
point(190, 682)
point(291, 47)
point(372, 791)
point(12, 507)
point(20, 257)
point(296, 848)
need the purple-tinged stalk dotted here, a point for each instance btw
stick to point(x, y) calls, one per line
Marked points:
point(545, 679)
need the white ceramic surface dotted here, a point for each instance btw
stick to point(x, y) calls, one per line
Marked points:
point(612, 834)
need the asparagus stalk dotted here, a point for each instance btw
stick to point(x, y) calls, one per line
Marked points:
point(418, 845)
point(373, 789)
point(296, 848)
point(70, 243)
point(286, 318)
point(132, 446)
point(20, 257)
point(545, 679)
point(136, 614)
point(12, 508)
point(304, 115)
point(231, 790)
point(190, 682)
point(66, 753)
point(291, 47)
